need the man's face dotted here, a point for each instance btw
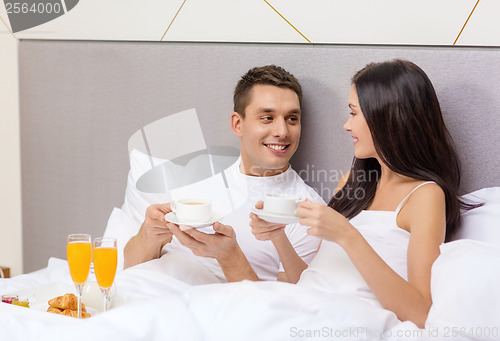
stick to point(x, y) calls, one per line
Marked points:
point(270, 131)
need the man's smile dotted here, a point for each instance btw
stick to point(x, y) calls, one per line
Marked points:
point(276, 146)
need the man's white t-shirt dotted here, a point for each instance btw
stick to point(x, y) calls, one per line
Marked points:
point(246, 191)
point(234, 194)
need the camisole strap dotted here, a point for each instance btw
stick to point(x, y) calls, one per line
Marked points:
point(400, 206)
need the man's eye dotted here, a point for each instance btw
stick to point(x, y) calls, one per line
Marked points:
point(293, 118)
point(352, 114)
point(267, 118)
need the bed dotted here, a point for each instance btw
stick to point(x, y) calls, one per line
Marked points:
point(149, 304)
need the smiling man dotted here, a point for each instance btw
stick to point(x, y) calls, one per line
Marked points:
point(267, 119)
point(269, 129)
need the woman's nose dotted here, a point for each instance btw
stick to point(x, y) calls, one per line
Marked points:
point(347, 125)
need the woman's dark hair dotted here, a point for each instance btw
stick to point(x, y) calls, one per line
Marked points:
point(403, 114)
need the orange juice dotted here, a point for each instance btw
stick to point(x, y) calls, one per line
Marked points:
point(79, 256)
point(105, 260)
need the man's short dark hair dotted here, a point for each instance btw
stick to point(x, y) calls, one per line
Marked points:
point(267, 75)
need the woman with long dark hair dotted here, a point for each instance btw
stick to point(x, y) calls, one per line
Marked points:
point(398, 203)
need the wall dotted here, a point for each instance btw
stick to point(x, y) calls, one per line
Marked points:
point(386, 22)
point(10, 183)
point(410, 22)
point(76, 121)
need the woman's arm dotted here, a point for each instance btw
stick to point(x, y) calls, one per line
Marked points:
point(424, 216)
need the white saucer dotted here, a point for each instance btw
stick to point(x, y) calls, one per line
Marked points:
point(275, 218)
point(172, 218)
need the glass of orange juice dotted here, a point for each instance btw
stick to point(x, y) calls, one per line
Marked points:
point(79, 253)
point(105, 261)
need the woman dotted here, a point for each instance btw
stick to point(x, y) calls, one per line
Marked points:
point(398, 203)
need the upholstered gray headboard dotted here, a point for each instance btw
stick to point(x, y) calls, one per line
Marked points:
point(81, 101)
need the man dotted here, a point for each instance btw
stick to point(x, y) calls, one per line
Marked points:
point(267, 119)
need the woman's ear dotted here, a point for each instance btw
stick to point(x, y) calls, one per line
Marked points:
point(236, 123)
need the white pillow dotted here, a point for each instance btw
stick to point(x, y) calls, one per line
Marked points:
point(136, 201)
point(482, 223)
point(465, 290)
point(121, 227)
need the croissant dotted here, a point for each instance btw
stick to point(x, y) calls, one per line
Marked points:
point(74, 313)
point(55, 310)
point(67, 312)
point(67, 301)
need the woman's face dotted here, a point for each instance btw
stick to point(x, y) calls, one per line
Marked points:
point(357, 126)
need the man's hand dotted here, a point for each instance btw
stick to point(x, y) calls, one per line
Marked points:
point(264, 230)
point(154, 229)
point(221, 245)
point(153, 235)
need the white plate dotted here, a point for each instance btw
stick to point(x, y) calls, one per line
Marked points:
point(172, 218)
point(39, 297)
point(275, 218)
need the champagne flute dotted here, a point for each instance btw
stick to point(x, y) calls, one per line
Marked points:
point(79, 254)
point(105, 261)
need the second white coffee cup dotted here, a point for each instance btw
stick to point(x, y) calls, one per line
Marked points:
point(281, 204)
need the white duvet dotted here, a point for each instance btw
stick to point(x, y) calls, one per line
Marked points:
point(150, 305)
point(155, 306)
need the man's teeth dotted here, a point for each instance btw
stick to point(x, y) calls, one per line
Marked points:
point(276, 147)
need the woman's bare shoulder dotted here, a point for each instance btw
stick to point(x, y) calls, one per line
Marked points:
point(426, 202)
point(342, 181)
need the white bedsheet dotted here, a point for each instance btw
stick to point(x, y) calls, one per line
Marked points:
point(164, 308)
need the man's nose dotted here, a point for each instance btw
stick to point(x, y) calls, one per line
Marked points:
point(280, 128)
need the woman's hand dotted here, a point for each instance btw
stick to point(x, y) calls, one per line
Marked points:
point(324, 221)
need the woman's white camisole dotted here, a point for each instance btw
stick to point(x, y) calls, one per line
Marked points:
point(332, 270)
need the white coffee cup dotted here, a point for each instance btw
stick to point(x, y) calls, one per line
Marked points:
point(192, 210)
point(281, 204)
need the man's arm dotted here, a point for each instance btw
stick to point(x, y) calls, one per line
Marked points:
point(292, 263)
point(153, 235)
point(236, 267)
